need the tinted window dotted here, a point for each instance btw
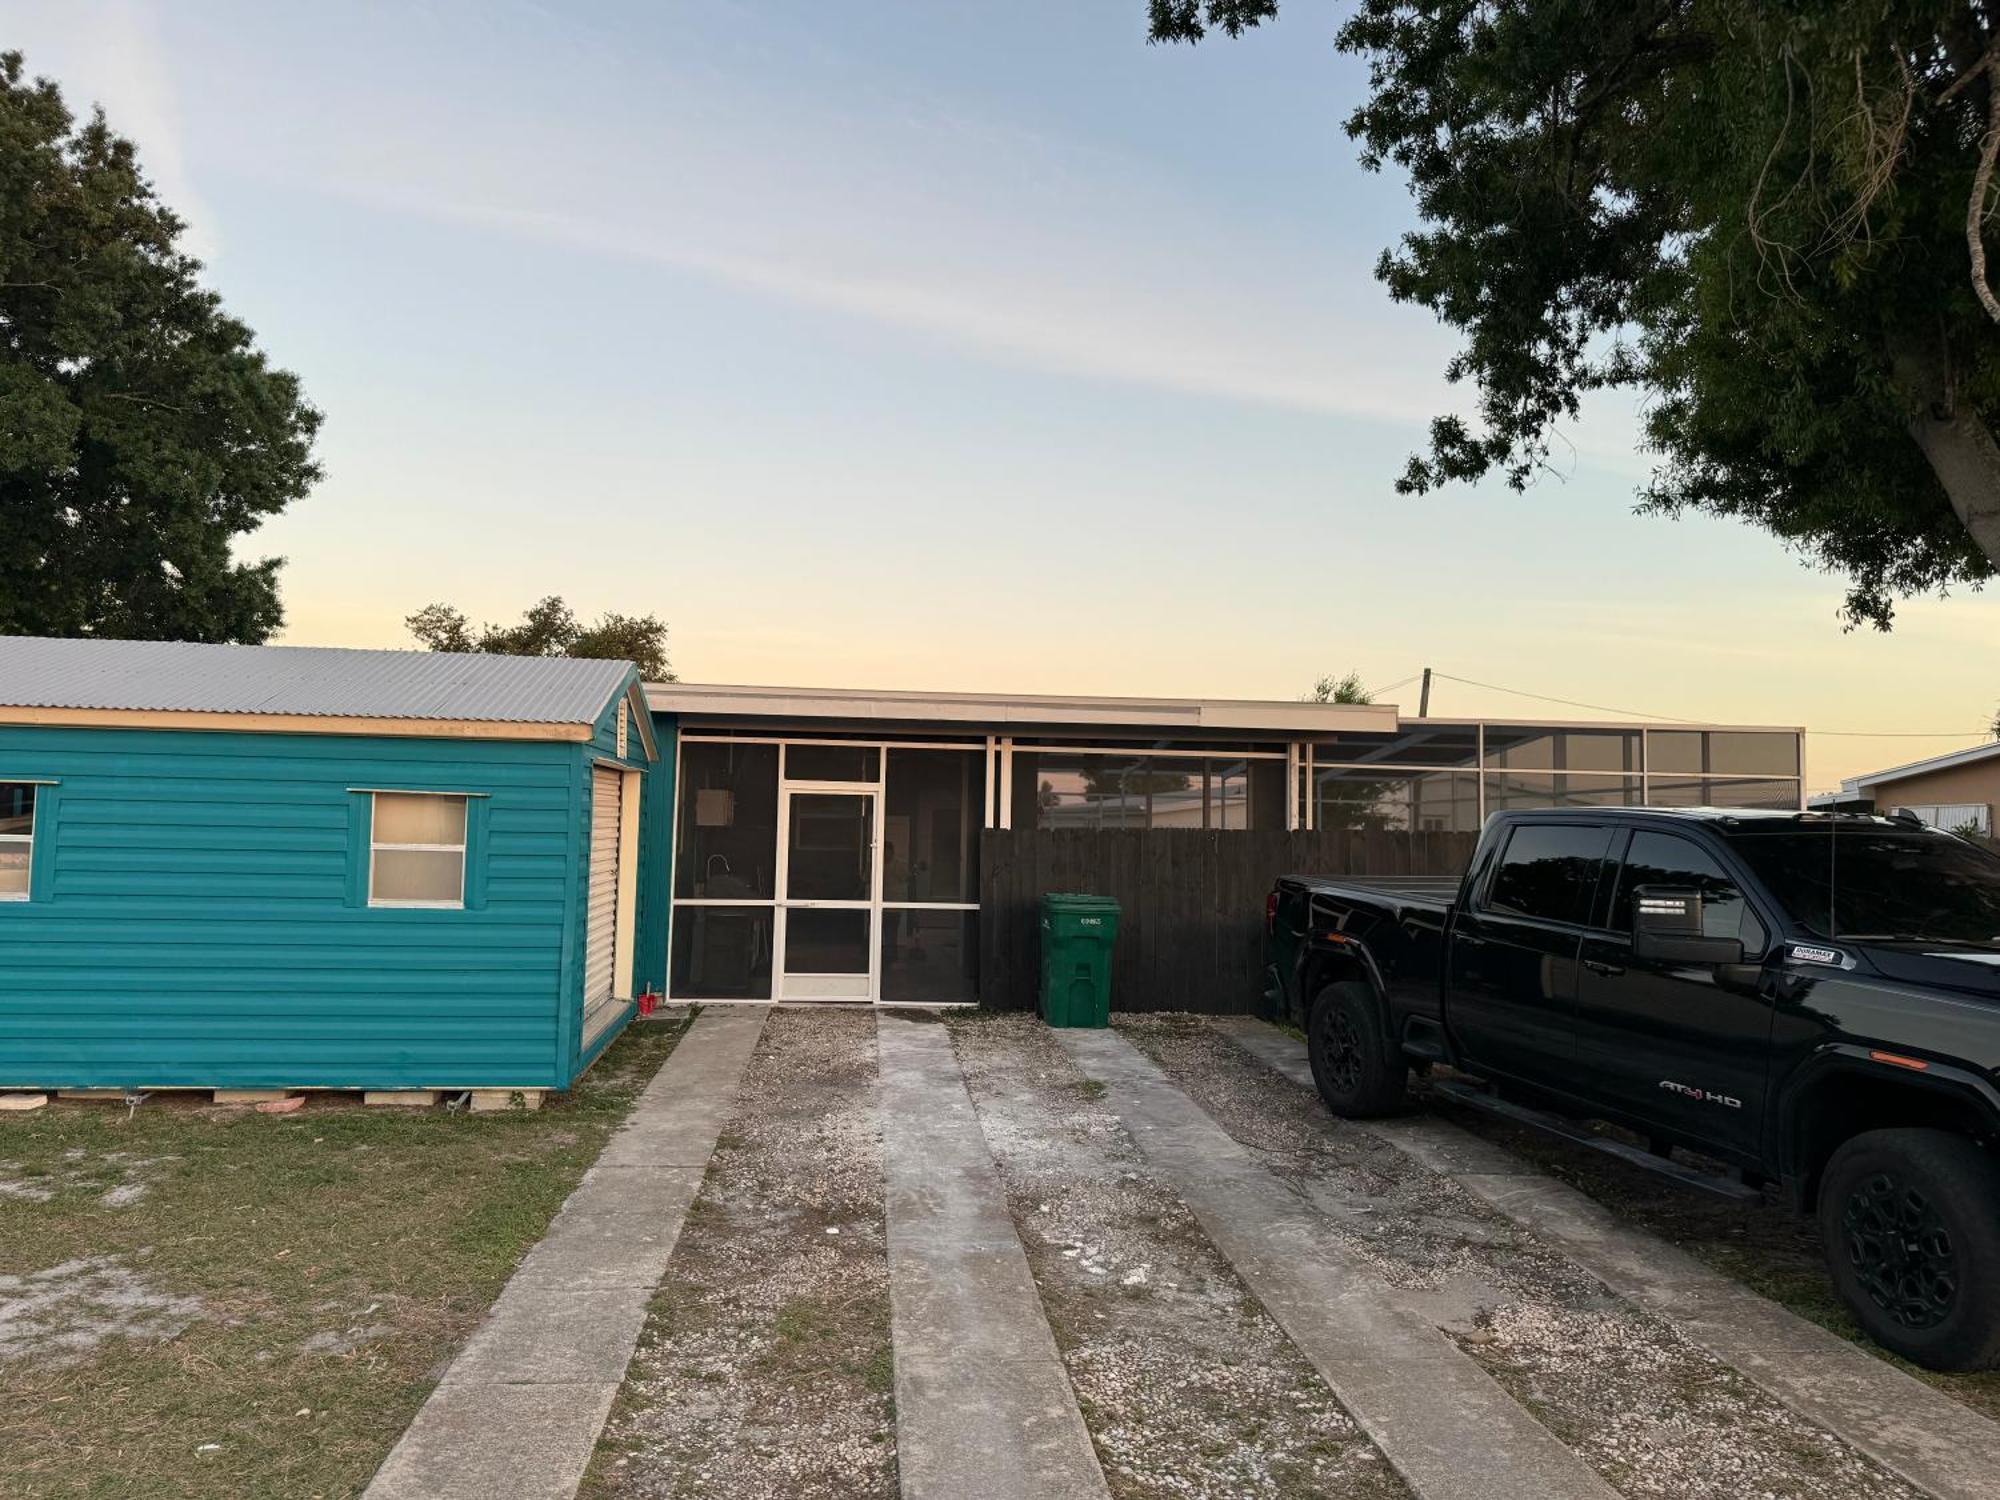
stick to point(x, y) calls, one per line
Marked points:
point(1863, 882)
point(1549, 871)
point(1663, 859)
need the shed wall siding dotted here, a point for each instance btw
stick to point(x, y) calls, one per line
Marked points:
point(199, 919)
point(656, 862)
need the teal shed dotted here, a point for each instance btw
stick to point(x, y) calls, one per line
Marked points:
point(294, 867)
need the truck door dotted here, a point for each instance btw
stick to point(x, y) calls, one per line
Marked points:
point(1681, 1044)
point(1511, 989)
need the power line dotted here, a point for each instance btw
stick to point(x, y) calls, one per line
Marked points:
point(1630, 713)
point(1390, 687)
point(1634, 713)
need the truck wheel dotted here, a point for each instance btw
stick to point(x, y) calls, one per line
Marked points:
point(1357, 1071)
point(1911, 1224)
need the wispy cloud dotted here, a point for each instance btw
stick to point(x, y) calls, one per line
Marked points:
point(112, 55)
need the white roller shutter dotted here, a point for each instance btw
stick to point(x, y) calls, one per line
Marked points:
point(600, 943)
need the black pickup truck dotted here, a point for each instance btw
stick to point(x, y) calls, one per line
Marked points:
point(1810, 1000)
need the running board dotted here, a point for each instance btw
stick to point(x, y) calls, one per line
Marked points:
point(1569, 1130)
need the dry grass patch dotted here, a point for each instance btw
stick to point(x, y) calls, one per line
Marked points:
point(199, 1302)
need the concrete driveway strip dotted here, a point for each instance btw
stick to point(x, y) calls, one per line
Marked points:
point(1911, 1429)
point(519, 1410)
point(984, 1408)
point(1445, 1425)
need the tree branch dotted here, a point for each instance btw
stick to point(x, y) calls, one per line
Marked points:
point(1975, 208)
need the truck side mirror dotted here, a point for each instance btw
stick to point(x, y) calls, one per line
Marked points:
point(1666, 927)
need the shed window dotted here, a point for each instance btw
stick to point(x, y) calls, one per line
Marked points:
point(17, 838)
point(417, 850)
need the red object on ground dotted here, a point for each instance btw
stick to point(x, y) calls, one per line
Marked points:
point(648, 1003)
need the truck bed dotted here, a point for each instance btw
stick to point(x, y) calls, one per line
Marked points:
point(1438, 890)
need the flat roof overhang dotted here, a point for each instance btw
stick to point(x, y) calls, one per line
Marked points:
point(1004, 710)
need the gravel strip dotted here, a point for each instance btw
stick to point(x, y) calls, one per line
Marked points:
point(764, 1369)
point(1649, 1410)
point(1188, 1387)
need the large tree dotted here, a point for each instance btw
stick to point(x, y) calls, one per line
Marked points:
point(1771, 216)
point(141, 431)
point(551, 628)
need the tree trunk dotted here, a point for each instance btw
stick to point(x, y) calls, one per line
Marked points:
point(1957, 442)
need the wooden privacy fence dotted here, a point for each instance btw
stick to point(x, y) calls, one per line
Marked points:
point(1191, 936)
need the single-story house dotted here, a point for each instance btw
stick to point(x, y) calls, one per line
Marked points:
point(285, 867)
point(844, 844)
point(1956, 792)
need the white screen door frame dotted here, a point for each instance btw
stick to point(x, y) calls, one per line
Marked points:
point(808, 981)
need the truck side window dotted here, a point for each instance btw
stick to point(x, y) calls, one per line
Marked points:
point(1549, 870)
point(1663, 859)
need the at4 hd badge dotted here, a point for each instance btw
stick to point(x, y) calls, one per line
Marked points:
point(1704, 1096)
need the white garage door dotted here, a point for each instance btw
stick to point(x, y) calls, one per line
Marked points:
point(600, 944)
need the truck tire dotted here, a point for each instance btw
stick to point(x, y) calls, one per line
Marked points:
point(1911, 1224)
point(1358, 1073)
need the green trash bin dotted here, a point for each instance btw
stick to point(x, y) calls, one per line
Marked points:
point(1077, 935)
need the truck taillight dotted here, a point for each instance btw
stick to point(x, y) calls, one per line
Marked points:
point(1271, 914)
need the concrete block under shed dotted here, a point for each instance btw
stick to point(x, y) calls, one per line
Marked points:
point(492, 1101)
point(250, 1096)
point(14, 1103)
point(90, 1093)
point(406, 1098)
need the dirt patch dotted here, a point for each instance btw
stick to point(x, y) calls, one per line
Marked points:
point(61, 1314)
point(120, 1178)
point(765, 1368)
point(1652, 1412)
point(1186, 1384)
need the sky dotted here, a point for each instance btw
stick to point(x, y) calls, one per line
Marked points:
point(940, 344)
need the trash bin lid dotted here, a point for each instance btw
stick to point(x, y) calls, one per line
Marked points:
point(1078, 901)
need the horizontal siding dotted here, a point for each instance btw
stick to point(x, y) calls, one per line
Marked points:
point(200, 920)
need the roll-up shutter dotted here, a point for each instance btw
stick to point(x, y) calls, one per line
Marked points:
point(601, 935)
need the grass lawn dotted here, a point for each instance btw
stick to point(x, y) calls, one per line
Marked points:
point(202, 1302)
point(1769, 1249)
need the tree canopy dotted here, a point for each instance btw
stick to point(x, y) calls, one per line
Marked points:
point(1771, 218)
point(551, 628)
point(141, 431)
point(1331, 689)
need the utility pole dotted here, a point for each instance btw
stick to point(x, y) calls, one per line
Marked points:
point(1424, 696)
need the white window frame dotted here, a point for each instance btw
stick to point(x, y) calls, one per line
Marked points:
point(460, 849)
point(27, 839)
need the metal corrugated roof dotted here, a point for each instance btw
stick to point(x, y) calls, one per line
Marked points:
point(320, 681)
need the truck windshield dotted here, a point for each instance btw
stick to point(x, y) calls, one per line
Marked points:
point(1862, 883)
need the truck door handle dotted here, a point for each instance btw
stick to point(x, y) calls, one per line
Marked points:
point(1609, 971)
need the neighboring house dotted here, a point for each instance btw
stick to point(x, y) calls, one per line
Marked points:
point(1955, 792)
point(287, 867)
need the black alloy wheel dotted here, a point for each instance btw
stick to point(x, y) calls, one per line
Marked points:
point(1900, 1250)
